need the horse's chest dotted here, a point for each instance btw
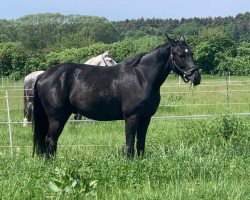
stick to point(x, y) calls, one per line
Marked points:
point(151, 104)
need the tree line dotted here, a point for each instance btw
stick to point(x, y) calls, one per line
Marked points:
point(36, 42)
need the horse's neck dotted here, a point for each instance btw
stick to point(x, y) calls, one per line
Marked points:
point(155, 67)
point(95, 61)
point(89, 62)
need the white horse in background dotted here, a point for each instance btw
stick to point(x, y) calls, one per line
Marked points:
point(101, 60)
point(29, 82)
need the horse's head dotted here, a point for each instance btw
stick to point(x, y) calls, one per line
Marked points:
point(101, 60)
point(183, 62)
point(108, 61)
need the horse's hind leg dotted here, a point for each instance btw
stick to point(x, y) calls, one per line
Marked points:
point(29, 112)
point(54, 131)
point(25, 118)
point(141, 135)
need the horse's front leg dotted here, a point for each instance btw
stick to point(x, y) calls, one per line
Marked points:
point(131, 124)
point(141, 134)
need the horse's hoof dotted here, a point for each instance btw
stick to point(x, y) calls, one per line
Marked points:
point(25, 122)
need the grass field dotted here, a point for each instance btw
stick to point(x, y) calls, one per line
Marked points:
point(184, 159)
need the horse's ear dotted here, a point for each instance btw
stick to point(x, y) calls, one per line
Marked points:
point(168, 38)
point(106, 53)
point(182, 39)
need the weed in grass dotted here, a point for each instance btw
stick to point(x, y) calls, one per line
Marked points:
point(72, 181)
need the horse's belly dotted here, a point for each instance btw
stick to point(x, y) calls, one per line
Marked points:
point(100, 111)
point(101, 116)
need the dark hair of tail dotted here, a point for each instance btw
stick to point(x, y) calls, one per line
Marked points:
point(40, 124)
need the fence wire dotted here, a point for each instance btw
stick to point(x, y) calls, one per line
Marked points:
point(6, 89)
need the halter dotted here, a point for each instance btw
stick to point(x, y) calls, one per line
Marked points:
point(104, 60)
point(175, 66)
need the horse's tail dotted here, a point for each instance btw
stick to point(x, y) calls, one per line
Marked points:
point(40, 124)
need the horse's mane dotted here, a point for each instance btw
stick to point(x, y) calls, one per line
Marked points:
point(163, 47)
point(133, 62)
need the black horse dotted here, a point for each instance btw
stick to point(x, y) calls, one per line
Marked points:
point(128, 91)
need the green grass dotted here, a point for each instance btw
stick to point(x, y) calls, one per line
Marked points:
point(185, 159)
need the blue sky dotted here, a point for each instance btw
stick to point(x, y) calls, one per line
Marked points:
point(126, 9)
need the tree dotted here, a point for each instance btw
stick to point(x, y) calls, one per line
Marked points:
point(76, 40)
point(213, 44)
point(13, 57)
point(190, 28)
point(240, 64)
point(100, 31)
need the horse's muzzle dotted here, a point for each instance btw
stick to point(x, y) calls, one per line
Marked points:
point(192, 75)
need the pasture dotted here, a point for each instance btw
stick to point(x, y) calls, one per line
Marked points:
point(187, 155)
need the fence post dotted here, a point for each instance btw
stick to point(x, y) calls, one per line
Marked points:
point(227, 90)
point(9, 122)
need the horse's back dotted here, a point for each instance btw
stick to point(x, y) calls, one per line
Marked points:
point(30, 79)
point(33, 75)
point(29, 82)
point(74, 70)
